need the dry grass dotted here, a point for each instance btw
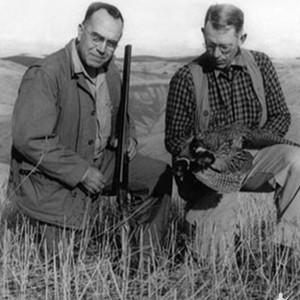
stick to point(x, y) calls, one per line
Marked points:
point(253, 269)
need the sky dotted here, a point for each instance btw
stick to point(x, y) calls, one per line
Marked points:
point(152, 27)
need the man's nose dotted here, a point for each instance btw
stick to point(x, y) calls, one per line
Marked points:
point(217, 52)
point(102, 47)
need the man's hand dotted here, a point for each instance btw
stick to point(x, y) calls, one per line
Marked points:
point(93, 180)
point(132, 148)
point(180, 167)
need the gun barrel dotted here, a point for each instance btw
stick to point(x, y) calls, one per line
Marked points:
point(121, 172)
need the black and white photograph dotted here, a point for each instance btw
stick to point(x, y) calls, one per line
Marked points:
point(149, 150)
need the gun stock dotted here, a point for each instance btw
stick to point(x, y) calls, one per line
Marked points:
point(121, 171)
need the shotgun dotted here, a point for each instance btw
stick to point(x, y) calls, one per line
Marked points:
point(121, 170)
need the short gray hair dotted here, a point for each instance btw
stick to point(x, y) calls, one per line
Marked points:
point(221, 16)
point(111, 9)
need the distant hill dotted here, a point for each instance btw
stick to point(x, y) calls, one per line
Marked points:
point(27, 60)
point(151, 58)
point(22, 59)
point(10, 77)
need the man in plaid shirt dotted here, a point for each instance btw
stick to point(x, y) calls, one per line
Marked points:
point(232, 98)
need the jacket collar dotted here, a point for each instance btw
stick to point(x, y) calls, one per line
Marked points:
point(75, 60)
point(112, 75)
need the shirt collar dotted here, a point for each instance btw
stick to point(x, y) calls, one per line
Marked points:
point(238, 62)
point(78, 66)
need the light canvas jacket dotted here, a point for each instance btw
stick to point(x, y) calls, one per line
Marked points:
point(53, 132)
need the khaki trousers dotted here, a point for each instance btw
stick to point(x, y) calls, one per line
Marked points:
point(278, 168)
point(275, 169)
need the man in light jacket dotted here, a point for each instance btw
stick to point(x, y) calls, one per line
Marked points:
point(64, 141)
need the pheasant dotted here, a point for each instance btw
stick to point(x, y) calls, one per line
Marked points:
point(221, 158)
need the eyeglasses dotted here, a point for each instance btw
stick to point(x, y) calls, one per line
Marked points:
point(97, 39)
point(224, 49)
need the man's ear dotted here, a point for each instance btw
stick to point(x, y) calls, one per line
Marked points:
point(79, 31)
point(243, 38)
point(202, 30)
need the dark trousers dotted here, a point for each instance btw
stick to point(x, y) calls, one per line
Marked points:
point(150, 184)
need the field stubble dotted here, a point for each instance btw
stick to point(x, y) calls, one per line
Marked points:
point(251, 267)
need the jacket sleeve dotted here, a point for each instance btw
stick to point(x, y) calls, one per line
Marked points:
point(278, 115)
point(34, 118)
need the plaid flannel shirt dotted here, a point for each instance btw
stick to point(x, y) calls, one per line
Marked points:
point(232, 99)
